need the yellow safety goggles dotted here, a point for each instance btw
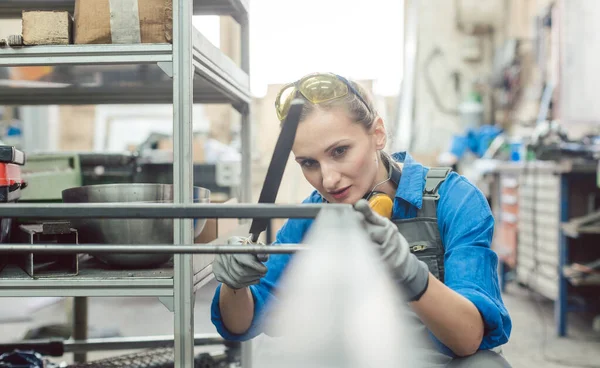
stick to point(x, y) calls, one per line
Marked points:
point(316, 88)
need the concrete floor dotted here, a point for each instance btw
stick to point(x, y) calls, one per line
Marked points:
point(146, 316)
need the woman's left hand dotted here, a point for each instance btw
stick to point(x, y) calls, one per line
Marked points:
point(406, 268)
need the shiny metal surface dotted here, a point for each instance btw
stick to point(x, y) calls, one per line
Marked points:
point(152, 248)
point(163, 210)
point(135, 342)
point(337, 307)
point(129, 231)
point(118, 74)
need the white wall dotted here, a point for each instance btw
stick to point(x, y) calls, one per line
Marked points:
point(118, 126)
point(436, 29)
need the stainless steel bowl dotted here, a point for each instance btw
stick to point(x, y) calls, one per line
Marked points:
point(129, 231)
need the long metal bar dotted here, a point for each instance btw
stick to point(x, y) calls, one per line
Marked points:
point(561, 305)
point(80, 325)
point(149, 249)
point(142, 210)
point(86, 54)
point(131, 343)
point(183, 89)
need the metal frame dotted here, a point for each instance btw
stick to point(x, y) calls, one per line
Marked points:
point(564, 170)
point(220, 81)
point(238, 9)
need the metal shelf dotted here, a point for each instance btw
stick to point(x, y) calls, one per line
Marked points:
point(94, 280)
point(103, 74)
point(238, 9)
point(190, 70)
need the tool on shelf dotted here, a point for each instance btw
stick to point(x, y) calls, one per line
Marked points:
point(276, 168)
point(11, 155)
point(48, 265)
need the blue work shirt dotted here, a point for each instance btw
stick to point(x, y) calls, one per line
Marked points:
point(466, 227)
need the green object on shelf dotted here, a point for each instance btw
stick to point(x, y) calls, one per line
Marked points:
point(48, 174)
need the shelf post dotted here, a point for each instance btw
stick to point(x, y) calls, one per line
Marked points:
point(183, 74)
point(246, 130)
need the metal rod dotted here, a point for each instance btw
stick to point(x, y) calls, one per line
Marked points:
point(133, 343)
point(149, 248)
point(183, 172)
point(146, 210)
point(80, 325)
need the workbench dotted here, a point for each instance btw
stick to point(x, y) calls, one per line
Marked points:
point(531, 202)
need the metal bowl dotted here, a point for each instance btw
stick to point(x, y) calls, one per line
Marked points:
point(129, 231)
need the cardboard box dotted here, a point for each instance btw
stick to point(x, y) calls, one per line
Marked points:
point(123, 21)
point(219, 228)
point(47, 28)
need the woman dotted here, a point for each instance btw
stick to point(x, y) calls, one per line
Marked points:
point(436, 245)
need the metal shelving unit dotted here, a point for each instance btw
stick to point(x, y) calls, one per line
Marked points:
point(191, 70)
point(238, 9)
point(121, 74)
point(91, 281)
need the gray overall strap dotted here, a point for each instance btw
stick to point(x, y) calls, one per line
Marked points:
point(434, 179)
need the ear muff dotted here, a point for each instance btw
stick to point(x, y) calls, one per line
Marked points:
point(381, 204)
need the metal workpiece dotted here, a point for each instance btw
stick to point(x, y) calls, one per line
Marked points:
point(324, 282)
point(176, 210)
point(151, 248)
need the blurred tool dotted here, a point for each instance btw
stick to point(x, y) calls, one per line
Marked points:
point(550, 141)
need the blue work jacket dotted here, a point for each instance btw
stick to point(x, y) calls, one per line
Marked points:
point(466, 227)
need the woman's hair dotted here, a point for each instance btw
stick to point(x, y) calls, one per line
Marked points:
point(351, 103)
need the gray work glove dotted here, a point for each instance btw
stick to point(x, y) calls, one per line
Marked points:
point(405, 267)
point(238, 270)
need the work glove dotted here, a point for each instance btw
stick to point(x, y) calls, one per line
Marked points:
point(238, 270)
point(407, 270)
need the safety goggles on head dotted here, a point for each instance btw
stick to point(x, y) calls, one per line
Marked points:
point(316, 88)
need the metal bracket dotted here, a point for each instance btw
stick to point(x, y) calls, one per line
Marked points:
point(168, 301)
point(166, 67)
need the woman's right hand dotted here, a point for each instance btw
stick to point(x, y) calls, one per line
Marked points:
point(238, 270)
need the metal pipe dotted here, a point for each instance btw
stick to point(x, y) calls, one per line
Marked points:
point(80, 325)
point(183, 88)
point(177, 211)
point(149, 248)
point(133, 343)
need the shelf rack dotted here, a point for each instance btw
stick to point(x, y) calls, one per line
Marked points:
point(237, 9)
point(191, 70)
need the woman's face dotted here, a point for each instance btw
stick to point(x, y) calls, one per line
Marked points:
point(338, 156)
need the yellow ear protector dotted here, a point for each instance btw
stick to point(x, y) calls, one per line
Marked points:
point(380, 202)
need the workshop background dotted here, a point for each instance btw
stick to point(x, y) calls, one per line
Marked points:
point(502, 90)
